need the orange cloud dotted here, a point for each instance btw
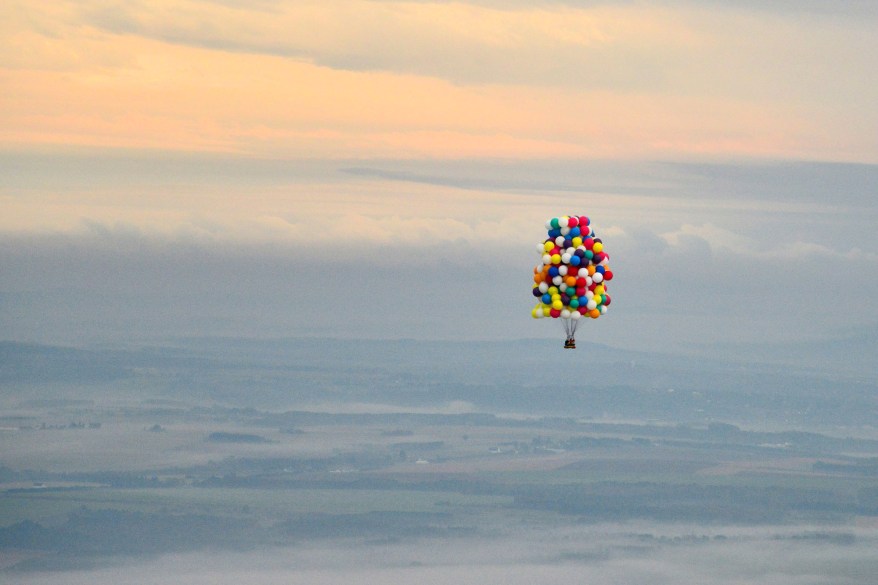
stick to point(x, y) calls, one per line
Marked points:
point(354, 79)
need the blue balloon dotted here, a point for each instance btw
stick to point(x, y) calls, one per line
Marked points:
point(575, 260)
point(553, 271)
point(600, 269)
point(547, 299)
point(574, 232)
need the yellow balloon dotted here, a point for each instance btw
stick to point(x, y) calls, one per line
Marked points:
point(557, 304)
point(533, 314)
point(549, 246)
point(598, 298)
point(556, 258)
point(577, 241)
point(597, 247)
point(553, 290)
point(599, 289)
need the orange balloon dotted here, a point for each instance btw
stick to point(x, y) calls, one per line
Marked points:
point(594, 313)
point(570, 281)
point(591, 270)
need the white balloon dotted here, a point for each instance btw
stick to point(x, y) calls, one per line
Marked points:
point(559, 241)
point(565, 258)
point(544, 288)
point(565, 230)
point(541, 249)
point(557, 280)
point(597, 277)
point(603, 309)
point(575, 315)
point(588, 281)
point(589, 294)
point(562, 270)
point(549, 224)
point(591, 304)
point(565, 314)
point(547, 259)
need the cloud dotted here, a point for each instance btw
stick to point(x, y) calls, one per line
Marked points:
point(368, 79)
point(590, 554)
point(463, 42)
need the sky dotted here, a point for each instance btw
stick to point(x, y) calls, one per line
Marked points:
point(384, 168)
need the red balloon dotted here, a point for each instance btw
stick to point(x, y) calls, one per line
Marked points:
point(608, 275)
point(580, 282)
point(573, 222)
point(555, 313)
point(607, 300)
point(580, 291)
point(583, 220)
point(588, 243)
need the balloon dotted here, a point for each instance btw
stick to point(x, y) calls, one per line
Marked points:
point(571, 280)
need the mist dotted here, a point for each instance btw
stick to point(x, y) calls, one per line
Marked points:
point(598, 554)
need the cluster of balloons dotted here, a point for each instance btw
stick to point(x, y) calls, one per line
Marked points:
point(571, 280)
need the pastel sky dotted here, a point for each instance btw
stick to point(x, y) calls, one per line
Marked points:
point(383, 168)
